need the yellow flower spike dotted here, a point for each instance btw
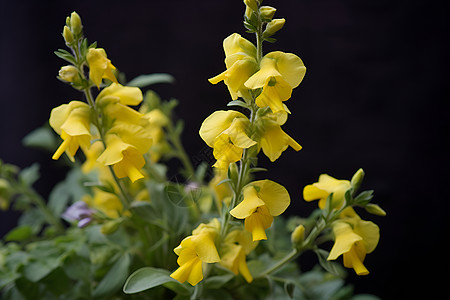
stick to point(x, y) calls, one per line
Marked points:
point(274, 140)
point(240, 61)
point(324, 187)
point(279, 73)
point(72, 122)
point(263, 200)
point(195, 250)
point(99, 66)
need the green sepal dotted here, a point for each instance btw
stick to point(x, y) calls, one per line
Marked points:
point(329, 266)
point(269, 39)
point(363, 198)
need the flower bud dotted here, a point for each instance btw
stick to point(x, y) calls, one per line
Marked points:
point(267, 12)
point(75, 23)
point(68, 73)
point(298, 235)
point(110, 227)
point(253, 4)
point(357, 179)
point(374, 209)
point(68, 36)
point(274, 26)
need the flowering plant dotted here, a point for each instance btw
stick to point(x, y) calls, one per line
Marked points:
point(118, 226)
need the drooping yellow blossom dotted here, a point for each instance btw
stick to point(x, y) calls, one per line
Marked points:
point(105, 202)
point(263, 200)
point(72, 122)
point(222, 192)
point(125, 145)
point(226, 132)
point(237, 244)
point(195, 250)
point(157, 120)
point(354, 238)
point(279, 73)
point(114, 102)
point(273, 139)
point(99, 66)
point(324, 187)
point(240, 61)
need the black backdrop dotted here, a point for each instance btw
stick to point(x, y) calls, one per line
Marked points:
point(374, 96)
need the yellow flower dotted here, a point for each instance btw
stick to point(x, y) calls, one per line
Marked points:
point(240, 61)
point(273, 139)
point(279, 73)
point(125, 145)
point(68, 73)
point(263, 200)
point(99, 66)
point(226, 132)
point(237, 245)
point(354, 238)
point(72, 122)
point(107, 203)
point(324, 187)
point(195, 250)
point(114, 101)
point(157, 120)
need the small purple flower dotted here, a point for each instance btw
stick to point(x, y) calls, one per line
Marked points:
point(79, 211)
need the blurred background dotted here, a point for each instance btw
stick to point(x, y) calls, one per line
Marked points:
point(375, 96)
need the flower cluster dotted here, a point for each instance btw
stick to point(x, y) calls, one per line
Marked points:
point(260, 84)
point(109, 118)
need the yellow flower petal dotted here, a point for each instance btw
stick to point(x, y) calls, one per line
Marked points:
point(274, 141)
point(99, 66)
point(127, 95)
point(216, 124)
point(248, 206)
point(237, 133)
point(258, 222)
point(274, 195)
point(345, 239)
point(354, 259)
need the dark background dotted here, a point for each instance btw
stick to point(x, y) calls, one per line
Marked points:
point(375, 96)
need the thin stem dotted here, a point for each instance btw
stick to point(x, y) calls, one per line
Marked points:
point(288, 258)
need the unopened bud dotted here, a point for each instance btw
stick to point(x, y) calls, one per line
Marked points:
point(253, 4)
point(298, 235)
point(110, 227)
point(68, 73)
point(374, 209)
point(357, 179)
point(68, 36)
point(267, 12)
point(75, 23)
point(273, 26)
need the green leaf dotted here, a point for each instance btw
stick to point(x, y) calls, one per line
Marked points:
point(216, 282)
point(329, 266)
point(148, 277)
point(146, 80)
point(42, 138)
point(29, 175)
point(114, 279)
point(238, 103)
point(19, 233)
point(61, 53)
point(36, 270)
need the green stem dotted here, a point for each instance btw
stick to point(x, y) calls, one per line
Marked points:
point(181, 152)
point(287, 259)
